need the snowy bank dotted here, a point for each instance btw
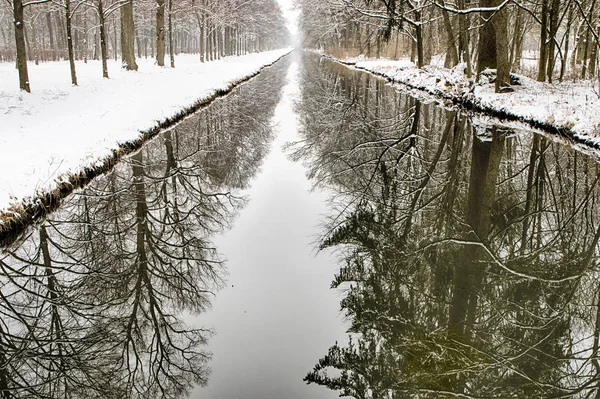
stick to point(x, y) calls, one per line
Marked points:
point(571, 109)
point(60, 136)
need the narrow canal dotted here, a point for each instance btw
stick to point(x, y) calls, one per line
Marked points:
point(277, 314)
point(459, 257)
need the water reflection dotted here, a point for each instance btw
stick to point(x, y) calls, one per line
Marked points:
point(470, 253)
point(91, 302)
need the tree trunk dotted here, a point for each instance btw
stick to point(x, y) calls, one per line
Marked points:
point(427, 36)
point(586, 47)
point(85, 38)
point(563, 61)
point(152, 42)
point(209, 41)
point(203, 39)
point(553, 19)
point(419, 37)
point(138, 44)
point(103, 50)
point(128, 37)
point(28, 51)
point(593, 57)
point(62, 37)
point(70, 42)
point(95, 51)
point(171, 51)
point(515, 59)
point(468, 272)
point(502, 62)
point(485, 166)
point(452, 54)
point(576, 49)
point(586, 44)
point(51, 36)
point(221, 42)
point(115, 43)
point(529, 192)
point(215, 43)
point(20, 44)
point(160, 32)
point(76, 41)
point(487, 40)
point(200, 21)
point(35, 50)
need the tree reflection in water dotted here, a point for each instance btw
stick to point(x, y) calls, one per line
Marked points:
point(470, 253)
point(91, 302)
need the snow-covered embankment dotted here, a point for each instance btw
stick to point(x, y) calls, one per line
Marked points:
point(59, 136)
point(569, 108)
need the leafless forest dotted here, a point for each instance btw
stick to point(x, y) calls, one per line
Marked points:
point(48, 30)
point(555, 39)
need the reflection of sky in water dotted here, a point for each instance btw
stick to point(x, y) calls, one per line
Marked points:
point(276, 315)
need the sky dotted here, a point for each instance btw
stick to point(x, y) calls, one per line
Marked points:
point(290, 14)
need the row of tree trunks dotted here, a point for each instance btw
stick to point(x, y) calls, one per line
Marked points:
point(51, 35)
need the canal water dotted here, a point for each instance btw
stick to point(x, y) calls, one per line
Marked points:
point(317, 232)
point(277, 314)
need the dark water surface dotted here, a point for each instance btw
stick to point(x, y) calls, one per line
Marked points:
point(464, 256)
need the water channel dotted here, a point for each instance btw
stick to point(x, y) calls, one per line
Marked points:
point(316, 232)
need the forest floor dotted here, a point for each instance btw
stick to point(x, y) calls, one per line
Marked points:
point(570, 108)
point(60, 134)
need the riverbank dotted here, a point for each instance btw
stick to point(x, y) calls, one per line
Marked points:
point(59, 137)
point(570, 109)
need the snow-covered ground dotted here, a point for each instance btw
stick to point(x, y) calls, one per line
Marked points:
point(572, 106)
point(59, 129)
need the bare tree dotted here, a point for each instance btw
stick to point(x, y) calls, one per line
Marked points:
point(160, 32)
point(128, 37)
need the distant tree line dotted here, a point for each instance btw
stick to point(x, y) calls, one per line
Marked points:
point(481, 34)
point(50, 30)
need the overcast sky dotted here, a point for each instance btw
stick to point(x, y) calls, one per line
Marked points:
point(290, 14)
